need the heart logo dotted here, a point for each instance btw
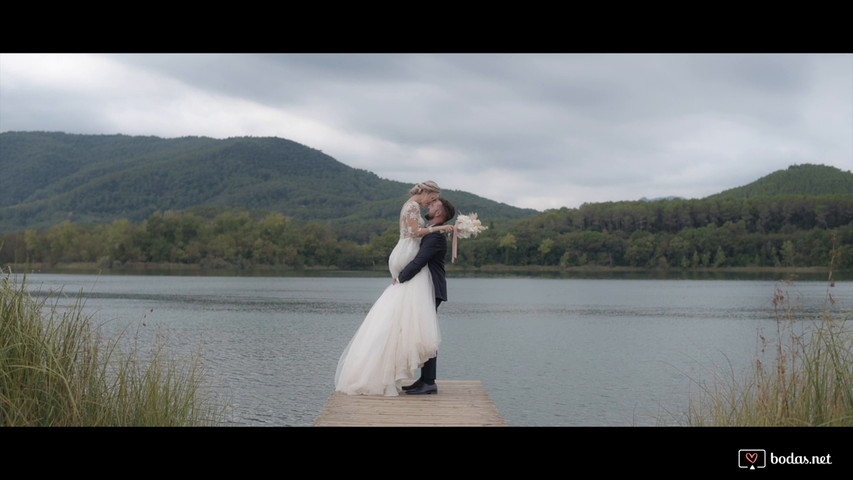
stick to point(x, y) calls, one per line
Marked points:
point(752, 457)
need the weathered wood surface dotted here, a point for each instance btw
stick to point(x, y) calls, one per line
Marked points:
point(458, 403)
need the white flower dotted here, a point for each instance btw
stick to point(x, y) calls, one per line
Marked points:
point(468, 226)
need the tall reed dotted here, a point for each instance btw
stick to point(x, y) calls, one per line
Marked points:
point(807, 381)
point(57, 370)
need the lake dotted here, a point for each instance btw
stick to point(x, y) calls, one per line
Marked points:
point(549, 351)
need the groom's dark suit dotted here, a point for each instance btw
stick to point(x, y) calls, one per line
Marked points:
point(432, 251)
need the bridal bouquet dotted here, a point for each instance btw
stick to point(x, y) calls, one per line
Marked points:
point(468, 226)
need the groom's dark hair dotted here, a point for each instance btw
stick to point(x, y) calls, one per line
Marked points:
point(449, 209)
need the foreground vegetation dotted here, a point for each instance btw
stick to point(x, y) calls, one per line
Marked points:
point(802, 377)
point(57, 370)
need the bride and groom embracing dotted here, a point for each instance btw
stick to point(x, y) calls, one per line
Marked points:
point(400, 333)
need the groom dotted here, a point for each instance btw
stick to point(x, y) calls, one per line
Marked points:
point(431, 254)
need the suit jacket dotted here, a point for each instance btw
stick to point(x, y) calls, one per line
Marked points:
point(431, 253)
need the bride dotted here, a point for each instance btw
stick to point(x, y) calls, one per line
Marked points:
point(400, 332)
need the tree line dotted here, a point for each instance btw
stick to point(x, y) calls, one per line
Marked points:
point(772, 231)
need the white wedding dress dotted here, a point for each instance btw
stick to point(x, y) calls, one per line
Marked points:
point(400, 332)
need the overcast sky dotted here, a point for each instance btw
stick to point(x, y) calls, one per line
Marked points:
point(530, 130)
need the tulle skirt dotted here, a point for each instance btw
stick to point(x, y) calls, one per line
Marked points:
point(399, 333)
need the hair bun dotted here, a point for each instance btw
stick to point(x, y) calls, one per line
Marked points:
point(427, 186)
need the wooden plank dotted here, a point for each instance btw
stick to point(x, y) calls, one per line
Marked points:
point(458, 403)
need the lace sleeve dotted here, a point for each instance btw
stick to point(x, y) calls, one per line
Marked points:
point(411, 220)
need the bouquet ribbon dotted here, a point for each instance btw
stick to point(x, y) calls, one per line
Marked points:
point(455, 241)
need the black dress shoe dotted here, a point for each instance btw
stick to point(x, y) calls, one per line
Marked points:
point(413, 386)
point(424, 389)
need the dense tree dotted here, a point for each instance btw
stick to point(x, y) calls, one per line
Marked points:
point(776, 231)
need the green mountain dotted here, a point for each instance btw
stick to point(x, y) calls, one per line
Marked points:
point(50, 177)
point(804, 179)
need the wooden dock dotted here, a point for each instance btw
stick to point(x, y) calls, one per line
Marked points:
point(458, 403)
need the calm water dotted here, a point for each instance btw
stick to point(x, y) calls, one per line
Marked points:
point(550, 352)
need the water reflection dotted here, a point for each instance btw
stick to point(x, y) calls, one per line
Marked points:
point(566, 352)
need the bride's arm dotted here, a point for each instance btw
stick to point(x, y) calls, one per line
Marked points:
point(413, 227)
point(411, 218)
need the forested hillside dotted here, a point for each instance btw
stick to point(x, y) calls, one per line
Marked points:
point(779, 230)
point(796, 180)
point(253, 205)
point(96, 179)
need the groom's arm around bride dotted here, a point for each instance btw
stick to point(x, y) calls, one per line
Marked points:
point(433, 250)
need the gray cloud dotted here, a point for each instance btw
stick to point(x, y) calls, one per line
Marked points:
point(540, 131)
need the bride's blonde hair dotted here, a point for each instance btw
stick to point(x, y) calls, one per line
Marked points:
point(428, 186)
